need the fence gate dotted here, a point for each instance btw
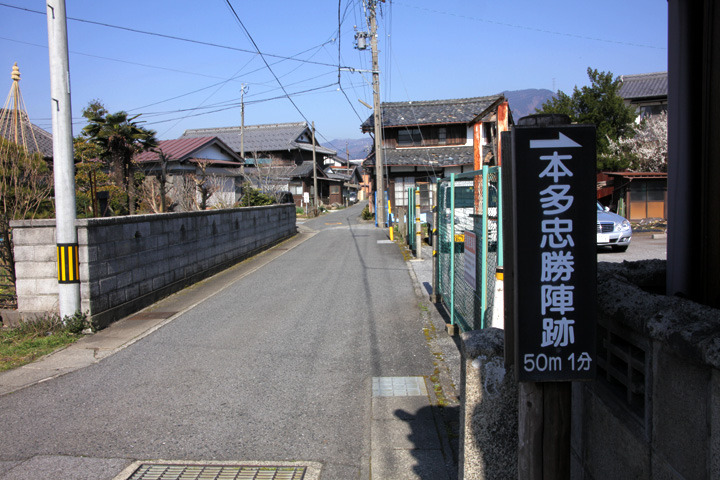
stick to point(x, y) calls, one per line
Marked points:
point(469, 245)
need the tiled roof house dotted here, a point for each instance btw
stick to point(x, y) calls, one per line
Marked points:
point(281, 145)
point(648, 92)
point(197, 157)
point(425, 140)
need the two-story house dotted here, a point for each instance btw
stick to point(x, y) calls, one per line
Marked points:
point(647, 92)
point(427, 140)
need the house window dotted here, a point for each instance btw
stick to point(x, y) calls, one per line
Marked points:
point(401, 190)
point(334, 189)
point(296, 188)
point(442, 136)
point(408, 137)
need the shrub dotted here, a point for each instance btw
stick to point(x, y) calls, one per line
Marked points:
point(366, 214)
point(253, 197)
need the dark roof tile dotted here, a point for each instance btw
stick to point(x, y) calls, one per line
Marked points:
point(461, 110)
point(433, 157)
point(261, 138)
point(644, 85)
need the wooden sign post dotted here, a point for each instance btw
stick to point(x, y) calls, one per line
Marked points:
point(554, 281)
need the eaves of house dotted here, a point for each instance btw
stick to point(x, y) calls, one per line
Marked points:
point(305, 169)
point(441, 157)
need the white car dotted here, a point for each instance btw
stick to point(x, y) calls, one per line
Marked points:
point(612, 230)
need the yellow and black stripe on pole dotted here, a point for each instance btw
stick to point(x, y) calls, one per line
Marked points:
point(68, 263)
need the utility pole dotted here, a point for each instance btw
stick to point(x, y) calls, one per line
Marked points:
point(380, 210)
point(242, 120)
point(314, 167)
point(64, 167)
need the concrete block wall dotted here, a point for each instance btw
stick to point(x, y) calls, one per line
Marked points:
point(35, 266)
point(127, 263)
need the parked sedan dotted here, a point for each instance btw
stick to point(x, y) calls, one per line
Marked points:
point(612, 230)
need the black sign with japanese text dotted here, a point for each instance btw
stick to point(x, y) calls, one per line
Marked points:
point(555, 217)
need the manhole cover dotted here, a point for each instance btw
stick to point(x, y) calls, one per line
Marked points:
point(217, 472)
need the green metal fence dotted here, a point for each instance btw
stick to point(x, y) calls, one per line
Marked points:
point(469, 209)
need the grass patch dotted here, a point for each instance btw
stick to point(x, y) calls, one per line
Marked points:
point(38, 337)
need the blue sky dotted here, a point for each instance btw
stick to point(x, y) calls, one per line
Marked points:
point(428, 50)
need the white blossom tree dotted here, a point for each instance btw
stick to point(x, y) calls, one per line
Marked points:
point(647, 150)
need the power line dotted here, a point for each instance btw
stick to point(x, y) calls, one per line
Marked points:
point(242, 25)
point(74, 52)
point(174, 37)
point(233, 78)
point(231, 106)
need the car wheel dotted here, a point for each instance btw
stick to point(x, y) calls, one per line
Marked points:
point(620, 249)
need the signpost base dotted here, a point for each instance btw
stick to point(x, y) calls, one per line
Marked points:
point(544, 430)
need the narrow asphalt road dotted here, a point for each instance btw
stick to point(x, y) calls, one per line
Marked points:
point(276, 366)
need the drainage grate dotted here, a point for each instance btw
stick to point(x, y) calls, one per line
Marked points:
point(217, 472)
point(398, 386)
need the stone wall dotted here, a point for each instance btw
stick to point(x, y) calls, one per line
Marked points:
point(488, 412)
point(127, 263)
point(654, 410)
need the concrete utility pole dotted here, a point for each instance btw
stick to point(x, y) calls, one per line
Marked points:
point(377, 120)
point(63, 165)
point(242, 120)
point(314, 167)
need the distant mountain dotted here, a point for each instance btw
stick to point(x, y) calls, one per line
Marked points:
point(358, 147)
point(524, 102)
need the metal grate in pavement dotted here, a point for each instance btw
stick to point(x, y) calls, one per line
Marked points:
point(398, 386)
point(217, 472)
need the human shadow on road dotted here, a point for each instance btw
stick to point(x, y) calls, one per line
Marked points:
point(433, 440)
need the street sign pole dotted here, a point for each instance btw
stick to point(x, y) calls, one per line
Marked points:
point(554, 246)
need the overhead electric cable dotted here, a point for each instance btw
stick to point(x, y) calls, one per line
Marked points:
point(74, 52)
point(233, 78)
point(262, 56)
point(280, 97)
point(174, 37)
